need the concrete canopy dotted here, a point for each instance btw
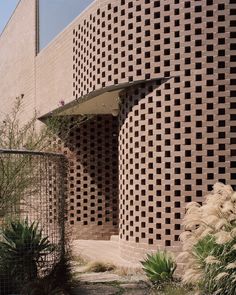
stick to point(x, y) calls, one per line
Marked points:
point(99, 102)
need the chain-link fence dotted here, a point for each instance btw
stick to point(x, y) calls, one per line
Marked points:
point(32, 215)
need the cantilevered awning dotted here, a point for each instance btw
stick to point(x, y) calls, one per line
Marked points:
point(102, 101)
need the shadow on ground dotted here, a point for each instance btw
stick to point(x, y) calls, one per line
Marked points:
point(111, 289)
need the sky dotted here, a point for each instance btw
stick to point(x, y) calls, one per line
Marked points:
point(54, 15)
point(6, 9)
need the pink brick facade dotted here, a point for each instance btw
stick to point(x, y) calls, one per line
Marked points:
point(17, 58)
point(175, 138)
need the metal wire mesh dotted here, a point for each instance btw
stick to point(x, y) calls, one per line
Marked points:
point(32, 191)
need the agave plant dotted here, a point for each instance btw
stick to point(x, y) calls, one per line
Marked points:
point(22, 250)
point(159, 267)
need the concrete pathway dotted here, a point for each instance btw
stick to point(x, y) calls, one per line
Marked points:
point(102, 251)
point(125, 279)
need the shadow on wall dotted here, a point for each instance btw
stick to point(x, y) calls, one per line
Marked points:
point(141, 92)
point(93, 177)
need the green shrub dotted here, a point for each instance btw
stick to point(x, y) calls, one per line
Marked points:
point(17, 174)
point(209, 243)
point(23, 250)
point(159, 267)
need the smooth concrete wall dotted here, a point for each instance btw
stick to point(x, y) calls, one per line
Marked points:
point(54, 66)
point(17, 58)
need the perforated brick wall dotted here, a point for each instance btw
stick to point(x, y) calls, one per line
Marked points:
point(113, 44)
point(175, 139)
point(93, 180)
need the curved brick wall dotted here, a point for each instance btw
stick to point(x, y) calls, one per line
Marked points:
point(178, 138)
point(113, 43)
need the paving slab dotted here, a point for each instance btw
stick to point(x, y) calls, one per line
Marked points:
point(98, 289)
point(105, 277)
point(135, 289)
point(100, 278)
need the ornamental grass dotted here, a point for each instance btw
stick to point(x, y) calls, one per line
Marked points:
point(209, 243)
